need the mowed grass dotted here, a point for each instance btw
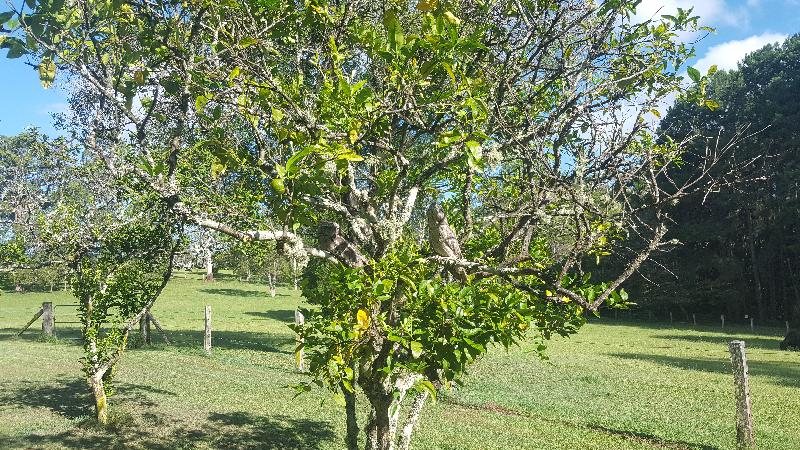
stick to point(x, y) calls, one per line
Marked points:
point(614, 385)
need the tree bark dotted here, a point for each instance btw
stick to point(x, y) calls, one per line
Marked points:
point(751, 247)
point(744, 417)
point(379, 435)
point(144, 329)
point(414, 411)
point(100, 400)
point(209, 266)
point(352, 419)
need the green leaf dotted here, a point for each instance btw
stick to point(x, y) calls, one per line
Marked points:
point(394, 30)
point(474, 155)
point(247, 42)
point(16, 50)
point(694, 74)
point(47, 72)
point(452, 18)
point(416, 349)
point(278, 186)
point(6, 16)
point(711, 105)
point(712, 70)
point(200, 104)
point(427, 386)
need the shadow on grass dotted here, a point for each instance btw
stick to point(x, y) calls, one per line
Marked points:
point(233, 292)
point(233, 430)
point(67, 335)
point(281, 315)
point(781, 374)
point(71, 398)
point(132, 428)
point(230, 340)
point(722, 341)
point(730, 328)
point(650, 439)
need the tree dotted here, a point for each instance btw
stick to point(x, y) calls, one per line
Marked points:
point(121, 252)
point(334, 127)
point(33, 178)
point(740, 245)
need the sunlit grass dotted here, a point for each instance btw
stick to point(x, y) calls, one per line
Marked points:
point(614, 385)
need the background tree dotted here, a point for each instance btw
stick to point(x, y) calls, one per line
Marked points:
point(740, 246)
point(33, 178)
point(335, 126)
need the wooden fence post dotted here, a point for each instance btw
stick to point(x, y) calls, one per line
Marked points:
point(745, 439)
point(158, 327)
point(207, 336)
point(144, 328)
point(670, 317)
point(299, 356)
point(30, 322)
point(723, 321)
point(48, 319)
point(752, 325)
point(694, 319)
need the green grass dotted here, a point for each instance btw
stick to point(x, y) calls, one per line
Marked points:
point(615, 385)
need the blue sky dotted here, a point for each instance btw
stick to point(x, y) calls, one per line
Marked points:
point(742, 26)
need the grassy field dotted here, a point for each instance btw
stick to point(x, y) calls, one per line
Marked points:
point(615, 385)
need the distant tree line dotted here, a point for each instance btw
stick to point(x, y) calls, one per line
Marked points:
point(738, 251)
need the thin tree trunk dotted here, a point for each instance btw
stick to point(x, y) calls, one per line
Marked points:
point(414, 411)
point(100, 399)
point(209, 266)
point(352, 419)
point(793, 311)
point(379, 428)
point(754, 265)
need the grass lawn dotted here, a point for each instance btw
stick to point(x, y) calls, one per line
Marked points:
point(614, 385)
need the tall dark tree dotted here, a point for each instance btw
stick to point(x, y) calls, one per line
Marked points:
point(740, 252)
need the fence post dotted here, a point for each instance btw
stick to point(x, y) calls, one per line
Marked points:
point(723, 321)
point(670, 317)
point(48, 319)
point(745, 438)
point(144, 328)
point(694, 319)
point(752, 325)
point(207, 336)
point(30, 322)
point(299, 356)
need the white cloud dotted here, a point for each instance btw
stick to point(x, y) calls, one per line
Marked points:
point(711, 12)
point(728, 54)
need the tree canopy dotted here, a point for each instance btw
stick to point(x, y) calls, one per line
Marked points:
point(453, 170)
point(740, 252)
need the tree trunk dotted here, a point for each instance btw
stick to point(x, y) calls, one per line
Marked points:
point(751, 247)
point(144, 329)
point(100, 400)
point(414, 411)
point(352, 419)
point(379, 436)
point(209, 266)
point(793, 311)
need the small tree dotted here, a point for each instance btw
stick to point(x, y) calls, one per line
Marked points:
point(122, 259)
point(455, 167)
